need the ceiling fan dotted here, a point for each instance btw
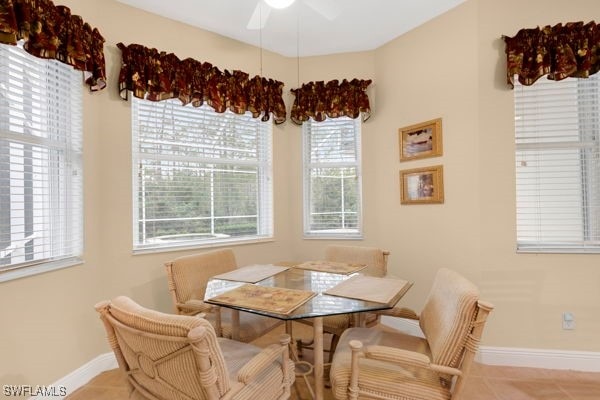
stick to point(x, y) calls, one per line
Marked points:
point(327, 8)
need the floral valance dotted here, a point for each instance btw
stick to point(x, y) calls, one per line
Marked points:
point(50, 31)
point(155, 75)
point(320, 100)
point(560, 51)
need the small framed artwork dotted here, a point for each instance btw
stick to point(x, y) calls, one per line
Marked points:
point(422, 185)
point(421, 140)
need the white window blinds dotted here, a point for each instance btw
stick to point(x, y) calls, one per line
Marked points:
point(200, 177)
point(557, 128)
point(332, 178)
point(41, 224)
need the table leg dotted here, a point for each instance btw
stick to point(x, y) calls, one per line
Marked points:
point(318, 357)
point(235, 324)
point(303, 368)
point(359, 319)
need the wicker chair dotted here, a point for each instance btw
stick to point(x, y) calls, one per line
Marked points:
point(374, 363)
point(376, 261)
point(188, 276)
point(176, 357)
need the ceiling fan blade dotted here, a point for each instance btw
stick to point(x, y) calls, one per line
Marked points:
point(327, 8)
point(259, 16)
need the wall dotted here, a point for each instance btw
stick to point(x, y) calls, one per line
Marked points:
point(451, 67)
point(49, 326)
point(530, 290)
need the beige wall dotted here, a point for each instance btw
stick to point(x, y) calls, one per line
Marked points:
point(451, 67)
point(531, 291)
point(48, 324)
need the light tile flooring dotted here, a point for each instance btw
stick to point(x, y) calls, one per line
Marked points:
point(484, 383)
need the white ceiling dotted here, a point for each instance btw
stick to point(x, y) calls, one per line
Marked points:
point(307, 27)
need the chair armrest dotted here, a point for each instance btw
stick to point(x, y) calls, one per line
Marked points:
point(399, 312)
point(194, 307)
point(266, 357)
point(406, 357)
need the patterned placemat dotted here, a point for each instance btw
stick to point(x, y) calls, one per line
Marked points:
point(251, 273)
point(370, 288)
point(331, 267)
point(265, 298)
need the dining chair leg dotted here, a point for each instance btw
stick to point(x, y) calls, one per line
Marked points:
point(334, 342)
point(290, 331)
point(304, 345)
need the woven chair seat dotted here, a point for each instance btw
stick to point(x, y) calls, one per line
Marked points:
point(179, 357)
point(187, 278)
point(381, 378)
point(371, 363)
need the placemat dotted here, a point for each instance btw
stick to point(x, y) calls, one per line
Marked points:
point(333, 267)
point(370, 288)
point(265, 298)
point(251, 273)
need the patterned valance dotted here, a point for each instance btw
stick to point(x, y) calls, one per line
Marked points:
point(157, 75)
point(50, 31)
point(320, 100)
point(560, 51)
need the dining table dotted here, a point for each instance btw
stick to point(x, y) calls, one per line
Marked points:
point(305, 290)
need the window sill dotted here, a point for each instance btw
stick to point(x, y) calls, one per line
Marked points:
point(332, 235)
point(197, 245)
point(35, 269)
point(558, 250)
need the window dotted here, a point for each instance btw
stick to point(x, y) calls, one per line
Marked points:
point(332, 178)
point(41, 224)
point(200, 177)
point(557, 128)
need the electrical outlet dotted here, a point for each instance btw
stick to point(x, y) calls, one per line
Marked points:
point(568, 320)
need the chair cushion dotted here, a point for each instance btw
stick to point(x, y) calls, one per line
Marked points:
point(236, 354)
point(373, 257)
point(384, 379)
point(134, 315)
point(190, 273)
point(267, 384)
point(447, 316)
point(336, 323)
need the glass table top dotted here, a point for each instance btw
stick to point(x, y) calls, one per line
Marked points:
point(300, 279)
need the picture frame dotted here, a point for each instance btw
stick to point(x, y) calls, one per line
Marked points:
point(422, 140)
point(422, 185)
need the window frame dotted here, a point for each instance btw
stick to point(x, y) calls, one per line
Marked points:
point(57, 189)
point(265, 209)
point(338, 234)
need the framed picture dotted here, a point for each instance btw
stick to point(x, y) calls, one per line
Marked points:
point(421, 140)
point(422, 185)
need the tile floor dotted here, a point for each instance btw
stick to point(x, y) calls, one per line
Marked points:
point(484, 383)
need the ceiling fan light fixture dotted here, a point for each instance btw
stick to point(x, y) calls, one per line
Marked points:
point(279, 4)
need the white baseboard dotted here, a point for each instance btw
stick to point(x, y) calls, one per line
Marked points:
point(540, 358)
point(517, 357)
point(81, 375)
